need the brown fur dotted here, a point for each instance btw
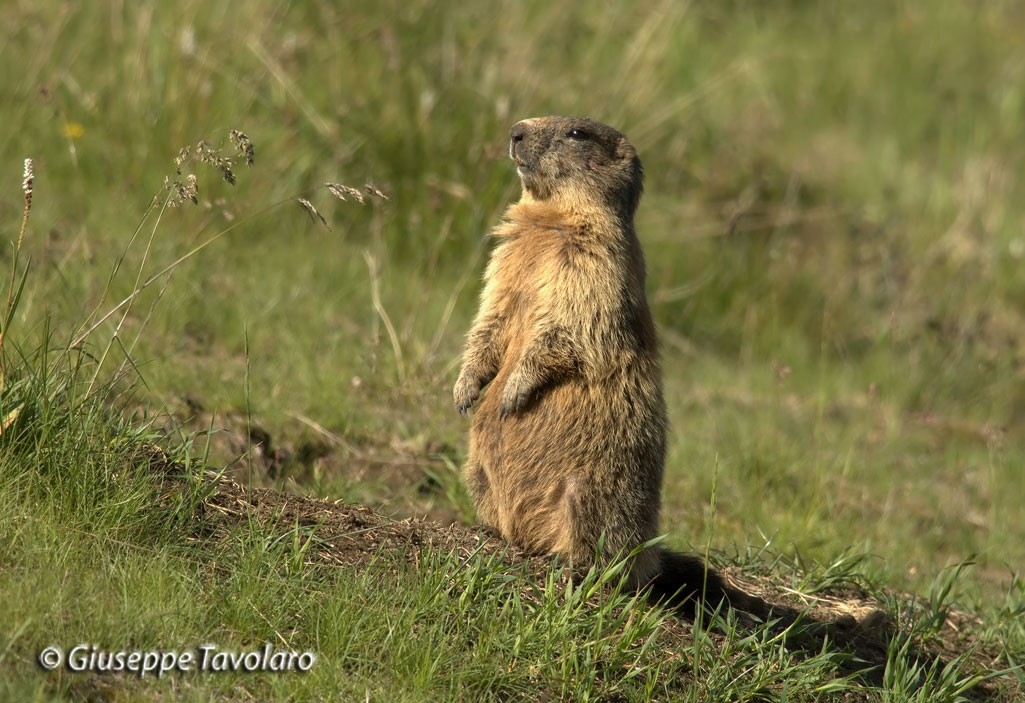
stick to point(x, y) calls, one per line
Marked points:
point(567, 446)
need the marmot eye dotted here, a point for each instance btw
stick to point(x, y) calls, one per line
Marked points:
point(577, 134)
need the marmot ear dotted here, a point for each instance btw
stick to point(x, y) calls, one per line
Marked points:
point(625, 150)
point(635, 162)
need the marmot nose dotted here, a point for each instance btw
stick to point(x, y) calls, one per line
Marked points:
point(518, 132)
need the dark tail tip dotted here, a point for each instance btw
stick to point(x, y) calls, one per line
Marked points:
point(685, 582)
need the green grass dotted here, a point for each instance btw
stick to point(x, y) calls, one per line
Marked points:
point(833, 226)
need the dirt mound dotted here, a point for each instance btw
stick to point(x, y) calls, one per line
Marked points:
point(351, 535)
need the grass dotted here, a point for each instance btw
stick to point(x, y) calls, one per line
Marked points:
point(833, 226)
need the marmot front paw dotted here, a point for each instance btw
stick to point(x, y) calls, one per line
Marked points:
point(515, 396)
point(466, 390)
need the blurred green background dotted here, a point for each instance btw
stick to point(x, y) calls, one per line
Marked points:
point(833, 223)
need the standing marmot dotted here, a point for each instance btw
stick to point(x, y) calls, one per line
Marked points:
point(569, 443)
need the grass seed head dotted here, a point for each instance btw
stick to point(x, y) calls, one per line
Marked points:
point(27, 182)
point(207, 154)
point(374, 191)
point(182, 156)
point(313, 212)
point(243, 145)
point(180, 192)
point(340, 191)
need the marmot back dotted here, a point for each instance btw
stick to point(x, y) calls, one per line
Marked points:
point(567, 446)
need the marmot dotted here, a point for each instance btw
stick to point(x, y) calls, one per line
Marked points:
point(567, 447)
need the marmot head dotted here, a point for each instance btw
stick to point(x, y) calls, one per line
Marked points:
point(578, 161)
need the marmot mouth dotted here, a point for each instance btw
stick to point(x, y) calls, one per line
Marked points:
point(516, 157)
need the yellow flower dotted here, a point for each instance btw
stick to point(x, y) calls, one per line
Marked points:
point(73, 130)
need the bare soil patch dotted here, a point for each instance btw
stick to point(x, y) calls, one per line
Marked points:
point(352, 535)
